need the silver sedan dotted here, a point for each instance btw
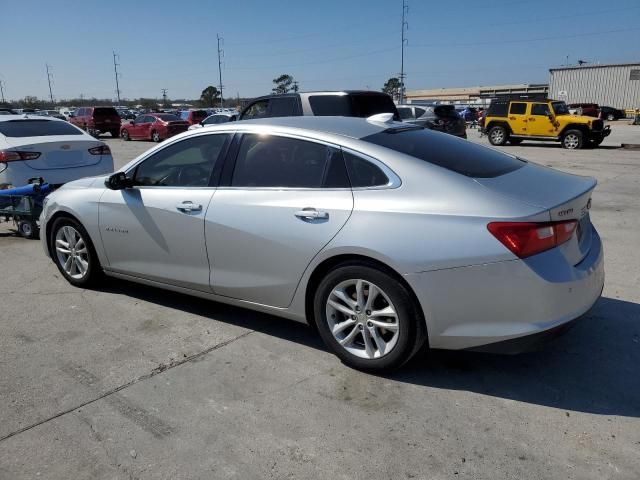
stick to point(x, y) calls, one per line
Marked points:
point(385, 237)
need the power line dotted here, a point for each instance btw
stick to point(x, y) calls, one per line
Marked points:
point(405, 26)
point(49, 75)
point(115, 70)
point(220, 68)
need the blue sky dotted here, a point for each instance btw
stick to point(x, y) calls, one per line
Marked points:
point(328, 44)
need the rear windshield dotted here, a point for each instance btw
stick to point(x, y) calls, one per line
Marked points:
point(37, 128)
point(445, 151)
point(167, 117)
point(352, 105)
point(105, 112)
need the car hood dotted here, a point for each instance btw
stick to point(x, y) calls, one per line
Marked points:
point(86, 182)
point(578, 118)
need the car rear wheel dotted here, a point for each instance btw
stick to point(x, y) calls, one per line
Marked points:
point(155, 136)
point(27, 228)
point(368, 318)
point(125, 135)
point(73, 253)
point(572, 140)
point(611, 117)
point(498, 135)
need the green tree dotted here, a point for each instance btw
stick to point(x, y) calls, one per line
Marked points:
point(392, 87)
point(283, 84)
point(208, 96)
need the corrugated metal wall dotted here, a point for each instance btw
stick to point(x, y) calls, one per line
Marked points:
point(606, 85)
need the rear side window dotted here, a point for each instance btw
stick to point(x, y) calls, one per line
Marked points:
point(37, 128)
point(105, 112)
point(283, 107)
point(352, 105)
point(272, 161)
point(330, 105)
point(405, 113)
point(420, 112)
point(256, 110)
point(363, 173)
point(457, 155)
point(498, 109)
point(517, 108)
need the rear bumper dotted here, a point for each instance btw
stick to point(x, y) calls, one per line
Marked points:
point(481, 305)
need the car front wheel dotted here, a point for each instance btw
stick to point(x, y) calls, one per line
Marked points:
point(73, 253)
point(572, 140)
point(498, 135)
point(155, 136)
point(368, 318)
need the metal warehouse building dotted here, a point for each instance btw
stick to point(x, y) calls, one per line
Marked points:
point(615, 85)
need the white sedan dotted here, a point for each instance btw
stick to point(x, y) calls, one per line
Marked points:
point(215, 119)
point(33, 146)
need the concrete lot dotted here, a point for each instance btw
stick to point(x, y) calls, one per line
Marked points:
point(132, 382)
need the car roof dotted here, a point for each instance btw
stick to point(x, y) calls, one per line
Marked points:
point(28, 116)
point(354, 127)
point(319, 92)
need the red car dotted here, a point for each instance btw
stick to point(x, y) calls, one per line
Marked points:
point(97, 120)
point(193, 116)
point(153, 126)
point(588, 109)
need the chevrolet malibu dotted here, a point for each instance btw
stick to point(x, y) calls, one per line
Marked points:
point(385, 237)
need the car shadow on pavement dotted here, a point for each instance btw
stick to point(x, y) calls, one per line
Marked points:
point(593, 368)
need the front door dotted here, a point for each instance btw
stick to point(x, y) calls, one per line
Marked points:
point(155, 229)
point(286, 200)
point(518, 118)
point(539, 122)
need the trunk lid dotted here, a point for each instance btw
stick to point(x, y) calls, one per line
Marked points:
point(564, 196)
point(59, 153)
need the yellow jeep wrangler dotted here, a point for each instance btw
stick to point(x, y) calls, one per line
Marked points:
point(516, 120)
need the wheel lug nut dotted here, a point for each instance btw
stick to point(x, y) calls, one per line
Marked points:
point(360, 326)
point(369, 324)
point(353, 317)
point(368, 312)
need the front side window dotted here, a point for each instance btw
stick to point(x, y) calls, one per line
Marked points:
point(257, 110)
point(405, 113)
point(560, 108)
point(540, 109)
point(188, 163)
point(517, 108)
point(272, 161)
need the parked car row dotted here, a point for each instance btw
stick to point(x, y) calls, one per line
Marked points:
point(595, 110)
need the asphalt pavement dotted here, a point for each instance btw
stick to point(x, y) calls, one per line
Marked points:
point(129, 381)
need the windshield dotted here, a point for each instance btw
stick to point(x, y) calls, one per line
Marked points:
point(447, 152)
point(37, 128)
point(560, 108)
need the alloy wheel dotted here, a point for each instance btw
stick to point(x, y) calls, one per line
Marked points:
point(362, 319)
point(155, 136)
point(497, 135)
point(72, 252)
point(571, 141)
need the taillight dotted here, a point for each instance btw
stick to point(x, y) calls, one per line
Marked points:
point(100, 150)
point(13, 155)
point(528, 238)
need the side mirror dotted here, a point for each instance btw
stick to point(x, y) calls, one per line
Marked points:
point(118, 181)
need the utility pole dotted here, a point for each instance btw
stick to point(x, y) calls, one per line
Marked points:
point(220, 53)
point(49, 75)
point(115, 70)
point(405, 27)
point(2, 90)
point(164, 97)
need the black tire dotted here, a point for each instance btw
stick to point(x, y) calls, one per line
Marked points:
point(515, 141)
point(94, 272)
point(28, 229)
point(573, 140)
point(411, 334)
point(155, 136)
point(125, 135)
point(498, 135)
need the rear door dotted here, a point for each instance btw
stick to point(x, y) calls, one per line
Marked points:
point(281, 203)
point(518, 118)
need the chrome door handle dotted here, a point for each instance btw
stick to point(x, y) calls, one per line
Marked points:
point(311, 214)
point(188, 207)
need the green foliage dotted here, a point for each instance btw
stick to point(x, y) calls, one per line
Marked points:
point(392, 87)
point(209, 96)
point(283, 84)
